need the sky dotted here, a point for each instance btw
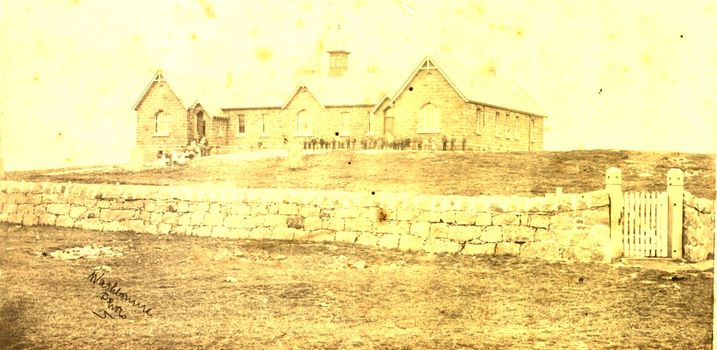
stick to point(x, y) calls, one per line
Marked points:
point(609, 74)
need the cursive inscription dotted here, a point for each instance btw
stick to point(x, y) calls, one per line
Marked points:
point(112, 296)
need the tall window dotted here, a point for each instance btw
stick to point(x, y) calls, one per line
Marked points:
point(506, 125)
point(480, 120)
point(532, 129)
point(263, 124)
point(241, 124)
point(429, 119)
point(497, 124)
point(303, 123)
point(516, 132)
point(369, 115)
point(345, 123)
point(161, 127)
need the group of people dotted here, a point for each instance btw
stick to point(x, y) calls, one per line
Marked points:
point(442, 143)
point(194, 148)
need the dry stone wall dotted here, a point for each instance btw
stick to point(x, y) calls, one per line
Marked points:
point(698, 228)
point(565, 226)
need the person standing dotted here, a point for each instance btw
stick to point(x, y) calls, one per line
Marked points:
point(444, 139)
point(463, 143)
point(453, 143)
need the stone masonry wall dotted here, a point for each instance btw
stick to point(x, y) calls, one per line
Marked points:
point(698, 228)
point(565, 226)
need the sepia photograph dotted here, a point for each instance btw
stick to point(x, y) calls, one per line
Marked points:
point(357, 174)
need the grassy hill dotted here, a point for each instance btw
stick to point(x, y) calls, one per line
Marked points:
point(491, 173)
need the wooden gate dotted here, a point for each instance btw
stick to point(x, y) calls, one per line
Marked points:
point(645, 224)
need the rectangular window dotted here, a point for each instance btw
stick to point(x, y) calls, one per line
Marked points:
point(497, 124)
point(532, 130)
point(345, 123)
point(507, 126)
point(263, 124)
point(480, 120)
point(241, 127)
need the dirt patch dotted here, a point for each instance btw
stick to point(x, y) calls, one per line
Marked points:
point(86, 252)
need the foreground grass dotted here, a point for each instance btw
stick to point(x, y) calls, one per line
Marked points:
point(308, 295)
point(505, 173)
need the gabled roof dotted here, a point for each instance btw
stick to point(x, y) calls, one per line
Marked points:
point(158, 77)
point(214, 112)
point(296, 90)
point(479, 87)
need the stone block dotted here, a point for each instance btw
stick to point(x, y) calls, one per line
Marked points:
point(196, 207)
point(439, 230)
point(288, 209)
point(211, 219)
point(393, 227)
point(335, 224)
point(47, 219)
point(151, 229)
point(479, 249)
point(220, 231)
point(549, 250)
point(345, 213)
point(64, 221)
point(30, 220)
point(506, 219)
point(259, 210)
point(183, 207)
point(322, 235)
point(420, 229)
point(134, 204)
point(9, 208)
point(507, 248)
point(492, 234)
point(562, 221)
point(113, 226)
point(448, 216)
point(214, 208)
point(429, 216)
point(57, 209)
point(89, 224)
point(464, 233)
point(295, 221)
point(389, 241)
point(465, 218)
point(518, 234)
point(15, 218)
point(539, 221)
point(404, 214)
point(238, 233)
point(439, 245)
point(197, 218)
point(346, 236)
point(202, 231)
point(367, 239)
point(312, 223)
point(164, 228)
point(542, 234)
point(77, 212)
point(309, 210)
point(283, 233)
point(358, 224)
point(410, 243)
point(275, 220)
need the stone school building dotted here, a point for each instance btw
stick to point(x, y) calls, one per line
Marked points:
point(426, 104)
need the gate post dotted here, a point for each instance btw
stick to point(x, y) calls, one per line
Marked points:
point(613, 186)
point(675, 190)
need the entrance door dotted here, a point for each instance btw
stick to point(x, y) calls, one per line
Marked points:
point(201, 128)
point(387, 122)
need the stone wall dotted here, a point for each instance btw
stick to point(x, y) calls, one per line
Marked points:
point(569, 226)
point(698, 228)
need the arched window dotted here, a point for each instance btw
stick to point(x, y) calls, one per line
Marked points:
point(480, 119)
point(516, 133)
point(507, 125)
point(429, 119)
point(303, 123)
point(161, 127)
